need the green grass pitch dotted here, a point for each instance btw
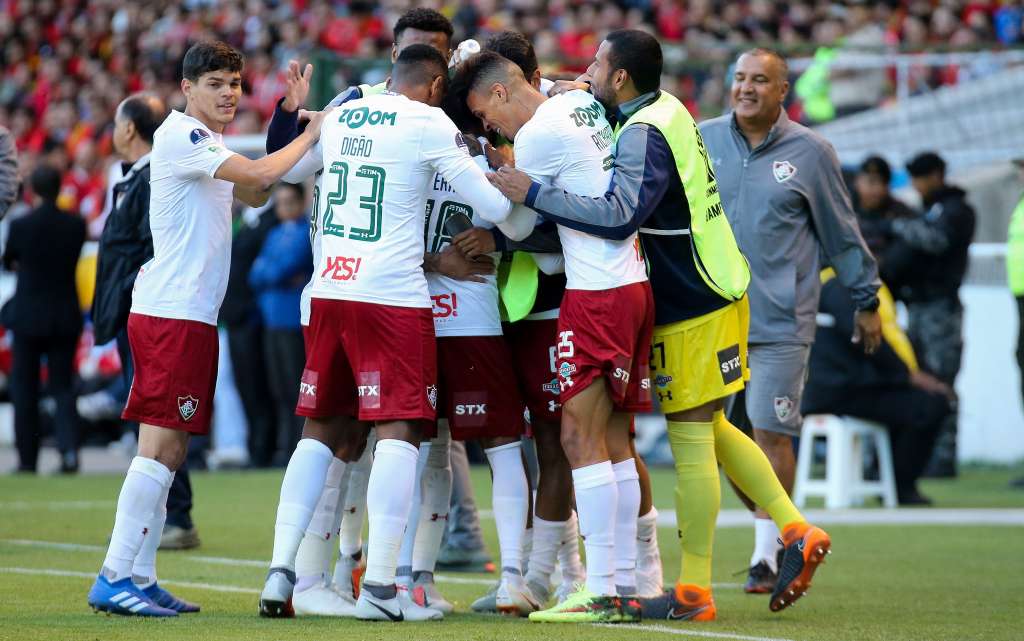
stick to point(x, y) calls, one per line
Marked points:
point(888, 582)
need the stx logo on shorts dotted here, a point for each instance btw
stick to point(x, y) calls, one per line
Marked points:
point(445, 305)
point(368, 387)
point(342, 268)
point(621, 374)
point(729, 363)
point(470, 409)
point(187, 407)
point(645, 383)
point(307, 388)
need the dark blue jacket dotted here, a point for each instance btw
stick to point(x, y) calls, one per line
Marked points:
point(281, 270)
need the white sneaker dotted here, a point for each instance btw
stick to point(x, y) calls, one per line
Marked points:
point(347, 572)
point(488, 602)
point(397, 609)
point(424, 592)
point(515, 598)
point(321, 600)
point(276, 598)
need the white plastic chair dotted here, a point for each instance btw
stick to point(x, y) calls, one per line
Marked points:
point(844, 484)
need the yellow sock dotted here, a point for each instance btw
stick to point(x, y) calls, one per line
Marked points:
point(749, 468)
point(698, 497)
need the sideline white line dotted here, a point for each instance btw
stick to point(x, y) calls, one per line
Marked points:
point(87, 575)
point(213, 587)
point(54, 505)
point(220, 560)
point(690, 632)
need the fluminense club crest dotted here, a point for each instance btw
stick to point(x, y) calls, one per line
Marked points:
point(188, 406)
point(783, 170)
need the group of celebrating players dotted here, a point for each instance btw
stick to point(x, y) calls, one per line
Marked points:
point(550, 298)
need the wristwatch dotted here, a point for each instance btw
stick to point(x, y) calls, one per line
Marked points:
point(871, 305)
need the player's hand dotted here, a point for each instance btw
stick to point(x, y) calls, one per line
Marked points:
point(296, 85)
point(511, 182)
point(562, 86)
point(454, 264)
point(498, 157)
point(316, 121)
point(925, 381)
point(867, 330)
point(474, 242)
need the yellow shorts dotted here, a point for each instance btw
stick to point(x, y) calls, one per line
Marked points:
point(699, 360)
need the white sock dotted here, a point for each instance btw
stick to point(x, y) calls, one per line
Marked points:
point(527, 542)
point(569, 552)
point(144, 568)
point(596, 503)
point(353, 512)
point(647, 540)
point(628, 483)
point(547, 539)
point(437, 494)
point(145, 483)
point(301, 489)
point(510, 502)
point(403, 573)
point(766, 543)
point(314, 553)
point(388, 498)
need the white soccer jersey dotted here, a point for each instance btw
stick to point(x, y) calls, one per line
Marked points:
point(379, 155)
point(190, 217)
point(461, 308)
point(568, 143)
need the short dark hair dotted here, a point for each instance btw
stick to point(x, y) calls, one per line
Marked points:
point(517, 48)
point(926, 164)
point(878, 167)
point(418, 64)
point(424, 19)
point(639, 53)
point(207, 56)
point(771, 53)
point(138, 109)
point(485, 67)
point(298, 188)
point(45, 181)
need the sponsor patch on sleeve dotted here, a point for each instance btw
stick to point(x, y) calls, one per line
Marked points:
point(198, 135)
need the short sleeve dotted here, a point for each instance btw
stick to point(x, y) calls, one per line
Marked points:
point(195, 152)
point(444, 147)
point(539, 153)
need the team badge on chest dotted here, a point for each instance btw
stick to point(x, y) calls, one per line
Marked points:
point(783, 170)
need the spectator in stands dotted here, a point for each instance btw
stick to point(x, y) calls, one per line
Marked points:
point(876, 207)
point(927, 257)
point(241, 316)
point(8, 171)
point(44, 315)
point(278, 275)
point(886, 387)
point(1015, 276)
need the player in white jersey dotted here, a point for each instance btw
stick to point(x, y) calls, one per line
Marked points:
point(371, 335)
point(603, 331)
point(177, 296)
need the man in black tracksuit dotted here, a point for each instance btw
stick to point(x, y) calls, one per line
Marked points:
point(125, 244)
point(926, 260)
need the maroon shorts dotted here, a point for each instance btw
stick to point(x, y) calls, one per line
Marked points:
point(175, 373)
point(532, 343)
point(373, 362)
point(607, 334)
point(478, 389)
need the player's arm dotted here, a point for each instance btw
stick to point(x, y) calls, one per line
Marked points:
point(261, 174)
point(453, 263)
point(641, 176)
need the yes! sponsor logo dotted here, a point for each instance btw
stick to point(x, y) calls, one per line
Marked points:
point(341, 268)
point(445, 305)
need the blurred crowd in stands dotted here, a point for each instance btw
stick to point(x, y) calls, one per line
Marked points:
point(68, 63)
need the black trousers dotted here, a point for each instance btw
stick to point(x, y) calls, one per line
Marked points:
point(914, 418)
point(1020, 341)
point(179, 497)
point(285, 354)
point(245, 347)
point(27, 354)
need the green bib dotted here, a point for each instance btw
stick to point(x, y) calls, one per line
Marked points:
point(517, 284)
point(1015, 251)
point(718, 259)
